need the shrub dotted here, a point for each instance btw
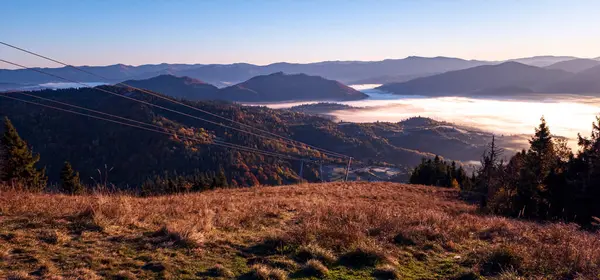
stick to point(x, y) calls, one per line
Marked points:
point(315, 268)
point(501, 259)
point(404, 240)
point(220, 271)
point(54, 237)
point(386, 272)
point(181, 233)
point(314, 251)
point(124, 275)
point(264, 272)
point(361, 257)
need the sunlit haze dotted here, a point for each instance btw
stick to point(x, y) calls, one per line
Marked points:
point(567, 115)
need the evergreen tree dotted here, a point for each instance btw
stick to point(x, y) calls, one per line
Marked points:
point(532, 196)
point(489, 175)
point(70, 182)
point(221, 179)
point(19, 162)
point(437, 172)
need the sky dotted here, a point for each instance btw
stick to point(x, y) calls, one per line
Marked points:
point(134, 32)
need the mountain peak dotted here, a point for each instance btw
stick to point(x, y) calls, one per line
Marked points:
point(279, 86)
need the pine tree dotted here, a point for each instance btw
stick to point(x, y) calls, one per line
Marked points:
point(19, 162)
point(70, 182)
point(222, 179)
point(532, 188)
point(489, 174)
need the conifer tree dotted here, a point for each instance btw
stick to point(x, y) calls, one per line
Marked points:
point(19, 162)
point(489, 174)
point(70, 182)
point(222, 179)
point(532, 192)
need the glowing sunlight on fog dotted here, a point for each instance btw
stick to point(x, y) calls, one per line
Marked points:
point(567, 115)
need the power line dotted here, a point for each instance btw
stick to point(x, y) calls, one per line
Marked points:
point(177, 102)
point(134, 121)
point(144, 102)
point(215, 142)
point(138, 122)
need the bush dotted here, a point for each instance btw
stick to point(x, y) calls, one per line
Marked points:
point(313, 251)
point(501, 259)
point(386, 272)
point(315, 268)
point(53, 237)
point(264, 272)
point(362, 257)
point(221, 271)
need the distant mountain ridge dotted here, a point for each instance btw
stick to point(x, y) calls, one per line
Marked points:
point(264, 88)
point(584, 82)
point(575, 65)
point(477, 79)
point(223, 75)
point(543, 60)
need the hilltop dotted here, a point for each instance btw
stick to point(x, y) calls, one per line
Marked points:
point(266, 88)
point(331, 231)
point(285, 87)
point(178, 87)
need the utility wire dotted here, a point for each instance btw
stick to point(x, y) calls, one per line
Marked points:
point(216, 142)
point(176, 102)
point(143, 102)
point(139, 122)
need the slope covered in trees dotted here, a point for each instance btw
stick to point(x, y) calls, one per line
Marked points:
point(108, 153)
point(547, 181)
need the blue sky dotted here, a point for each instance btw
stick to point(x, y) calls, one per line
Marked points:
point(93, 32)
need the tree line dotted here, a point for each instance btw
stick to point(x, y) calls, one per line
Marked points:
point(547, 181)
point(19, 170)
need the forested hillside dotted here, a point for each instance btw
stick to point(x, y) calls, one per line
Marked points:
point(109, 153)
point(106, 152)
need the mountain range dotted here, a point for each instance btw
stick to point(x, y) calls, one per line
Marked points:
point(222, 75)
point(265, 88)
point(411, 75)
point(506, 78)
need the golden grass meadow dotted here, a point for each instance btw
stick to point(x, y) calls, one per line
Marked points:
point(307, 231)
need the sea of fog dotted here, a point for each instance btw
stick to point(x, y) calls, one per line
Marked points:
point(566, 115)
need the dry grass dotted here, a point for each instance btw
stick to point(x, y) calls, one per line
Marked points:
point(220, 271)
point(264, 272)
point(315, 268)
point(425, 232)
point(386, 272)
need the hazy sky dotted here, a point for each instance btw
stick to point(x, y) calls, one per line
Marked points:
point(93, 32)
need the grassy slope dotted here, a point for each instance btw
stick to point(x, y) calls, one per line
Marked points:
point(356, 230)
